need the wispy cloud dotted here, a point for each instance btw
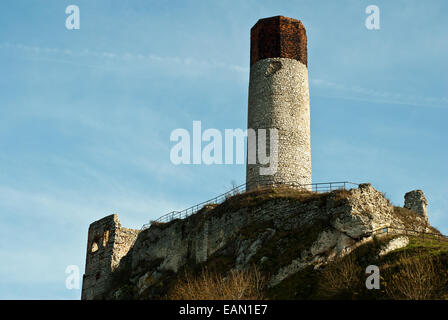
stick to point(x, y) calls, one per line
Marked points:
point(46, 52)
point(333, 89)
point(355, 92)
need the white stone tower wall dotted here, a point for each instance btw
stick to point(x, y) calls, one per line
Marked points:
point(279, 98)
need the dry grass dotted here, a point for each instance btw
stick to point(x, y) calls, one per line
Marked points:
point(419, 278)
point(239, 285)
point(341, 278)
point(261, 194)
point(410, 219)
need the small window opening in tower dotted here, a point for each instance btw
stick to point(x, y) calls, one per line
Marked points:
point(98, 275)
point(273, 67)
point(105, 238)
point(94, 247)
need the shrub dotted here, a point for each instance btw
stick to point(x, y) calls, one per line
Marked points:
point(238, 285)
point(341, 278)
point(418, 279)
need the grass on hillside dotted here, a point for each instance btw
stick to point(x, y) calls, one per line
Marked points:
point(418, 271)
point(238, 285)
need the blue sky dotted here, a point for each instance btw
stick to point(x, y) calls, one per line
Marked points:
point(86, 115)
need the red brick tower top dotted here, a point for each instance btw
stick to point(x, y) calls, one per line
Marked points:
point(278, 37)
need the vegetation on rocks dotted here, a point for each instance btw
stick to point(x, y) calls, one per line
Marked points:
point(238, 285)
point(297, 241)
point(417, 271)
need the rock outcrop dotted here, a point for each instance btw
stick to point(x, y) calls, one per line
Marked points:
point(279, 230)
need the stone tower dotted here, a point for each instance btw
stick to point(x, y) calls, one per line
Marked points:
point(107, 243)
point(416, 201)
point(279, 98)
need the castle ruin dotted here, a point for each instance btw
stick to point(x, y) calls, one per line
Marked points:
point(415, 200)
point(107, 243)
point(278, 98)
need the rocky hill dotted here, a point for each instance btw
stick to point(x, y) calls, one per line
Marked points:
point(291, 236)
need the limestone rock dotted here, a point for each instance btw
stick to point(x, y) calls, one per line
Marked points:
point(394, 244)
point(282, 232)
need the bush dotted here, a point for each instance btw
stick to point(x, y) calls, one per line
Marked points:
point(341, 279)
point(238, 285)
point(419, 278)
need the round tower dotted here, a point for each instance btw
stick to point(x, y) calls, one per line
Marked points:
point(279, 98)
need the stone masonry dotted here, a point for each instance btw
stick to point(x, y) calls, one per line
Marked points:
point(107, 243)
point(415, 200)
point(279, 98)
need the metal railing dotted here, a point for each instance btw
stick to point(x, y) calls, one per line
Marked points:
point(314, 187)
point(423, 234)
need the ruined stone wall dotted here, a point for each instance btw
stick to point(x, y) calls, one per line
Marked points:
point(107, 243)
point(416, 201)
